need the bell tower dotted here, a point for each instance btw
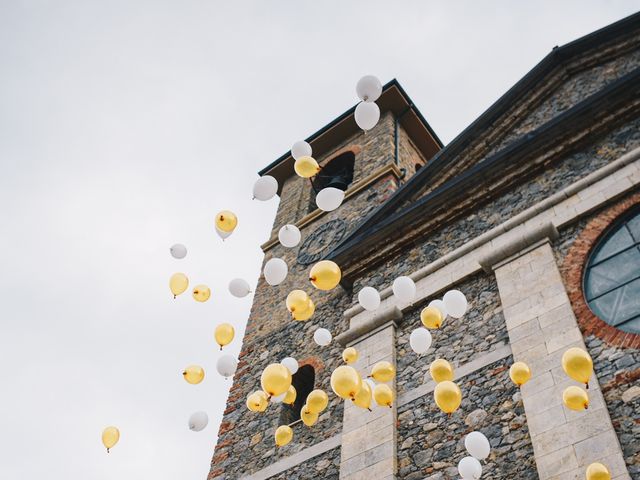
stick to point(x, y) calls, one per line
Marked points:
point(369, 167)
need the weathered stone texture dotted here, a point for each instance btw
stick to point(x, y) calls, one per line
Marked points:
point(573, 90)
point(617, 368)
point(325, 466)
point(430, 444)
point(459, 341)
point(409, 157)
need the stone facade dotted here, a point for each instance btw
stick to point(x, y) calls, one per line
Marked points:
point(430, 445)
point(523, 305)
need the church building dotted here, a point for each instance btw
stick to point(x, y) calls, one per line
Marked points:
point(533, 212)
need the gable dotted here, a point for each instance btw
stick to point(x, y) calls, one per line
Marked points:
point(573, 87)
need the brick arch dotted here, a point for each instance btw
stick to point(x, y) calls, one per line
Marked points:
point(315, 362)
point(355, 149)
point(573, 270)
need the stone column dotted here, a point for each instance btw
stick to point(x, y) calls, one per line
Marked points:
point(369, 438)
point(542, 326)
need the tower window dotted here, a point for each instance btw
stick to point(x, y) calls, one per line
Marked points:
point(338, 173)
point(612, 275)
point(303, 381)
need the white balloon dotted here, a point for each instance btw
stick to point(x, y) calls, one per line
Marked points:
point(420, 340)
point(369, 88)
point(291, 363)
point(279, 398)
point(371, 383)
point(178, 251)
point(329, 198)
point(322, 337)
point(289, 236)
point(404, 288)
point(455, 303)
point(239, 287)
point(369, 298)
point(367, 115)
point(439, 304)
point(469, 468)
point(275, 271)
point(265, 188)
point(301, 149)
point(222, 234)
point(226, 365)
point(198, 421)
point(477, 445)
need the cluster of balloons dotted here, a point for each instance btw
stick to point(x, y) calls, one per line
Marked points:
point(327, 199)
point(578, 365)
point(367, 112)
point(478, 448)
point(276, 384)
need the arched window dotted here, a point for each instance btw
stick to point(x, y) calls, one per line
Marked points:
point(303, 381)
point(612, 275)
point(338, 173)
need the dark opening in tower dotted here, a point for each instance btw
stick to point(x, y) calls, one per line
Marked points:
point(338, 173)
point(303, 381)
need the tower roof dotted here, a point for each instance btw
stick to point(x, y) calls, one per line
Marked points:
point(393, 99)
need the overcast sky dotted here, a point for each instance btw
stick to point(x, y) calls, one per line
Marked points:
point(124, 127)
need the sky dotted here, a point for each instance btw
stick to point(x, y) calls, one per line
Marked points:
point(125, 126)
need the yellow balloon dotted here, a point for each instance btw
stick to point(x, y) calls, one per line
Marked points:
point(383, 395)
point(308, 417)
point(305, 314)
point(578, 365)
point(284, 435)
point(224, 334)
point(441, 370)
point(257, 401)
point(383, 371)
point(575, 398)
point(201, 293)
point(317, 401)
point(350, 355)
point(364, 396)
point(520, 373)
point(275, 379)
point(431, 317)
point(597, 471)
point(193, 374)
point(291, 395)
point(226, 221)
point(306, 167)
point(297, 300)
point(346, 382)
point(448, 396)
point(110, 437)
point(325, 275)
point(178, 283)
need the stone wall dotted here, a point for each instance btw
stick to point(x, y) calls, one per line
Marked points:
point(430, 444)
point(409, 157)
point(325, 466)
point(580, 85)
point(617, 368)
point(458, 341)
